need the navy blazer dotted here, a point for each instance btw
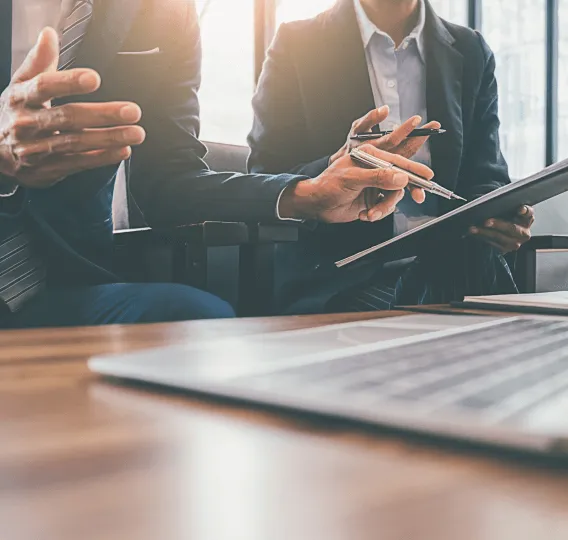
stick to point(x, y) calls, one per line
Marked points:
point(315, 83)
point(168, 182)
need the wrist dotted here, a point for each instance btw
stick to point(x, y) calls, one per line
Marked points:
point(296, 202)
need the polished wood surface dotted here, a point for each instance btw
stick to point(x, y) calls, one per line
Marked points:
point(83, 459)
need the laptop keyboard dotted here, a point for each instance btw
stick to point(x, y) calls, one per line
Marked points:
point(504, 369)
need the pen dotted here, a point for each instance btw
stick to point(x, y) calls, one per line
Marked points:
point(380, 134)
point(373, 162)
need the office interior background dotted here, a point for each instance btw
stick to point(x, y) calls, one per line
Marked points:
point(529, 39)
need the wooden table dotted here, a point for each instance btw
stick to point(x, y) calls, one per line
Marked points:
point(81, 459)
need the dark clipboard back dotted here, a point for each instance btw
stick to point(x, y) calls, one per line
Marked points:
point(504, 201)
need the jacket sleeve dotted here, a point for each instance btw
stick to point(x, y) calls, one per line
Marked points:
point(278, 137)
point(484, 168)
point(170, 183)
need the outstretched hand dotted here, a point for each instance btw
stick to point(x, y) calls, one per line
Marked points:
point(41, 144)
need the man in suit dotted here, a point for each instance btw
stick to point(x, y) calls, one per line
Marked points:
point(117, 82)
point(400, 61)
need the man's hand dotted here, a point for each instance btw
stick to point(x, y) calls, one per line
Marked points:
point(507, 236)
point(397, 142)
point(339, 194)
point(40, 145)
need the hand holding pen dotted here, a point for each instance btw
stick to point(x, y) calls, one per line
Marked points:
point(426, 184)
point(399, 142)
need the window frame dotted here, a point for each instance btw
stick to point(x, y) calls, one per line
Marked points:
point(265, 28)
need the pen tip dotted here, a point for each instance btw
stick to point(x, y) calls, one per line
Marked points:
point(458, 198)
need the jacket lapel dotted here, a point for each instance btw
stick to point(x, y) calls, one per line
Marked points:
point(351, 74)
point(444, 99)
point(110, 25)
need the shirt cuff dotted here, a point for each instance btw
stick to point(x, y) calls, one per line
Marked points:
point(278, 216)
point(8, 187)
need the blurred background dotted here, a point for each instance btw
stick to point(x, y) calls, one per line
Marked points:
point(529, 38)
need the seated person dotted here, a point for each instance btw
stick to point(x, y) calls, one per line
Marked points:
point(64, 132)
point(401, 62)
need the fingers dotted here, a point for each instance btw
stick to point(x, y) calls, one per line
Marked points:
point(401, 134)
point(384, 208)
point(417, 194)
point(510, 229)
point(497, 239)
point(400, 161)
point(58, 167)
point(52, 85)
point(81, 142)
point(358, 179)
point(504, 242)
point(410, 146)
point(43, 57)
point(370, 120)
point(76, 117)
point(525, 216)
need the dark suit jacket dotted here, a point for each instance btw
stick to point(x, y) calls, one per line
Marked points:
point(315, 83)
point(168, 181)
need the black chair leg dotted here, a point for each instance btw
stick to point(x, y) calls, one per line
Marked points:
point(525, 271)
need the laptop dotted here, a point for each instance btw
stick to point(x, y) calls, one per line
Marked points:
point(488, 380)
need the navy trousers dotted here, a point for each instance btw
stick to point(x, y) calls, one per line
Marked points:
point(117, 304)
point(468, 267)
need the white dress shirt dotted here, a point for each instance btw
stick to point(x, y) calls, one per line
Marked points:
point(29, 18)
point(398, 79)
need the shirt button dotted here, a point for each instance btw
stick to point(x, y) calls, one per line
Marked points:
point(405, 45)
point(391, 84)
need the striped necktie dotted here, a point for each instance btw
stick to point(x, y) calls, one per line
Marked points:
point(73, 29)
point(22, 269)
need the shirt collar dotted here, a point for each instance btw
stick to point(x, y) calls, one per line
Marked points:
point(369, 29)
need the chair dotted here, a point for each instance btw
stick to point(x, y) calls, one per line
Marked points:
point(236, 261)
point(542, 264)
point(206, 255)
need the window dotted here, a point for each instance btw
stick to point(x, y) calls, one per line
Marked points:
point(227, 28)
point(563, 82)
point(292, 10)
point(516, 31)
point(452, 10)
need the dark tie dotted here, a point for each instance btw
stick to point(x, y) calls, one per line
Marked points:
point(22, 270)
point(74, 29)
point(466, 268)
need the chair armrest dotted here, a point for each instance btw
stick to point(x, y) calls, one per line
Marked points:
point(525, 270)
point(274, 233)
point(552, 242)
point(205, 256)
point(208, 234)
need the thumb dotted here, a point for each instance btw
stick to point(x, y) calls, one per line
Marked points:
point(43, 57)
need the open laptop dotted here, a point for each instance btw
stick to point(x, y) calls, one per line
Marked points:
point(497, 381)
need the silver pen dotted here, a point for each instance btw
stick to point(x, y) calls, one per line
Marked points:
point(373, 162)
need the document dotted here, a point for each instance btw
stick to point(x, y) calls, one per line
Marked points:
point(551, 302)
point(504, 201)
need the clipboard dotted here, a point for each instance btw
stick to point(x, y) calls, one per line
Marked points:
point(503, 202)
